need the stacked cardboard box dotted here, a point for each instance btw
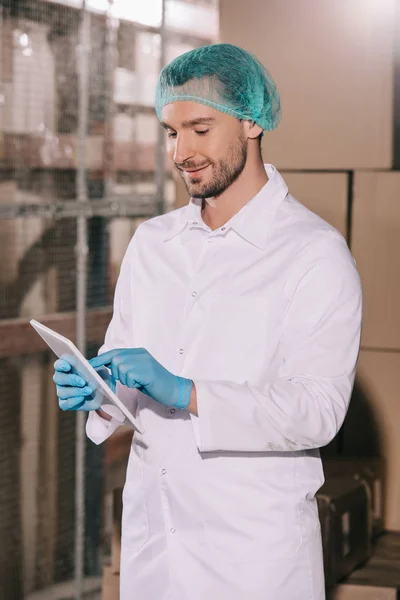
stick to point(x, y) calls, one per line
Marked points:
point(333, 63)
point(372, 423)
point(324, 193)
point(340, 110)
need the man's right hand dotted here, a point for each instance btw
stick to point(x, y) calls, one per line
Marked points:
point(74, 393)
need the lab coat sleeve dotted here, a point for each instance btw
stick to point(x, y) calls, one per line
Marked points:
point(305, 405)
point(118, 335)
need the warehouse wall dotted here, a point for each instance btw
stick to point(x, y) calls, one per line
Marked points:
point(336, 66)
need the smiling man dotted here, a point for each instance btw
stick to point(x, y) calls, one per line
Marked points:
point(234, 341)
point(209, 178)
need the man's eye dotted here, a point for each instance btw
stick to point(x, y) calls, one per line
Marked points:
point(203, 132)
point(171, 134)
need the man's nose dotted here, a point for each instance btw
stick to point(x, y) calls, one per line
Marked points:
point(183, 150)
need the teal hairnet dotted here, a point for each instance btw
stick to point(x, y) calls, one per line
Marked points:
point(224, 77)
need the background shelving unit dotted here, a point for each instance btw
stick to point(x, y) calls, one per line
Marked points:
point(81, 164)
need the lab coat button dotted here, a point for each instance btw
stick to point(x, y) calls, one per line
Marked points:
point(172, 530)
point(223, 228)
point(163, 471)
point(194, 294)
point(171, 411)
point(181, 351)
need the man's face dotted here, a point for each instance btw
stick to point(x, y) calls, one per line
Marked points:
point(208, 148)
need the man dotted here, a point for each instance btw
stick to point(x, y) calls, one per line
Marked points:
point(234, 340)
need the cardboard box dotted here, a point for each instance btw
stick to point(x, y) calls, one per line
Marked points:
point(31, 97)
point(376, 248)
point(372, 422)
point(333, 63)
point(125, 86)
point(371, 471)
point(52, 151)
point(324, 193)
point(344, 506)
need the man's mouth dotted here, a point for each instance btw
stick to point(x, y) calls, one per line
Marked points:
point(193, 172)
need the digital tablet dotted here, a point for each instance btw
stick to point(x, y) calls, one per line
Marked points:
point(64, 348)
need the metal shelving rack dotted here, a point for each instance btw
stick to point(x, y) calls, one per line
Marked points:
point(113, 205)
point(79, 206)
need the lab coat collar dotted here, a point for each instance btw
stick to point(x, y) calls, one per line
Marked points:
point(251, 222)
point(189, 215)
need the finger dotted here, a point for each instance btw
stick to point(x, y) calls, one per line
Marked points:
point(121, 376)
point(117, 369)
point(65, 392)
point(72, 403)
point(62, 365)
point(68, 379)
point(81, 403)
point(104, 359)
point(114, 370)
point(121, 368)
point(93, 404)
point(132, 379)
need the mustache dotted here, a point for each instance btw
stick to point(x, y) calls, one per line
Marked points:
point(190, 166)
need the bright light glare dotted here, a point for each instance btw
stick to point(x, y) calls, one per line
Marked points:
point(146, 12)
point(23, 40)
point(198, 20)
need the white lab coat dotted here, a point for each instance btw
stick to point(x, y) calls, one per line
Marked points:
point(264, 315)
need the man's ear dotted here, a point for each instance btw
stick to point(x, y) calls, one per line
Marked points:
point(254, 130)
point(251, 130)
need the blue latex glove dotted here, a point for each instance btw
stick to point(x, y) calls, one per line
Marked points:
point(74, 393)
point(137, 368)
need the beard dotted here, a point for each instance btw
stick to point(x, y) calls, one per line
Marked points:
point(224, 173)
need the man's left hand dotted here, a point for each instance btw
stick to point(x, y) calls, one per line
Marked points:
point(137, 368)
